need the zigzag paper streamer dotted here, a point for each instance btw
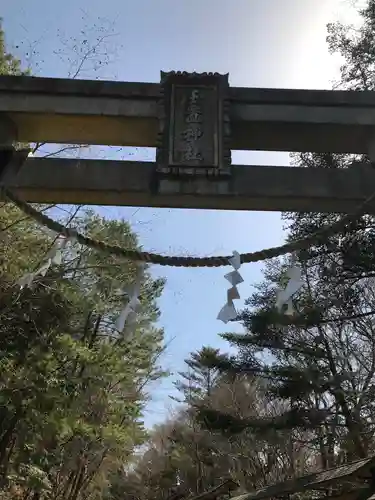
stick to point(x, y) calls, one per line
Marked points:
point(130, 309)
point(53, 257)
point(284, 296)
point(228, 311)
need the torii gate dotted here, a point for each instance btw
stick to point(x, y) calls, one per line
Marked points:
point(194, 121)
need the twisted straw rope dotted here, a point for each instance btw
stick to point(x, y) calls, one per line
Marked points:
point(180, 261)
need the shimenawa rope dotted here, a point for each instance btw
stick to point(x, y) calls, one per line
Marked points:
point(181, 261)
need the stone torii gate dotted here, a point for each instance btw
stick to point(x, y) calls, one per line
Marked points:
point(194, 121)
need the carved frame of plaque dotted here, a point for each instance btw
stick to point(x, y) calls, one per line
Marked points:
point(194, 125)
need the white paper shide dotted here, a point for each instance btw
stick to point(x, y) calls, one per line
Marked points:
point(228, 311)
point(284, 296)
point(132, 302)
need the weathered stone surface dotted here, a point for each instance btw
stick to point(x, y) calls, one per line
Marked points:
point(8, 132)
point(117, 113)
point(103, 182)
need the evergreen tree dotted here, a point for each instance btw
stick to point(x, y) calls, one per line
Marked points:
point(72, 388)
point(182, 457)
point(320, 364)
point(198, 381)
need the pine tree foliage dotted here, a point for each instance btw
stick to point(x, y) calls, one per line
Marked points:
point(184, 458)
point(72, 388)
point(198, 382)
point(320, 364)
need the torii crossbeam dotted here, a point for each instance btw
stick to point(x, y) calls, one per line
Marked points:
point(194, 121)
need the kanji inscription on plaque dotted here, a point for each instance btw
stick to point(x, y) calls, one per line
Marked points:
point(194, 125)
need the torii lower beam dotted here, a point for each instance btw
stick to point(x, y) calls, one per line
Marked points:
point(106, 182)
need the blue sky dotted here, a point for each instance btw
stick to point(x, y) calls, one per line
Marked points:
point(267, 43)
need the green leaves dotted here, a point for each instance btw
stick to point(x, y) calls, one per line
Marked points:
point(72, 390)
point(9, 65)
